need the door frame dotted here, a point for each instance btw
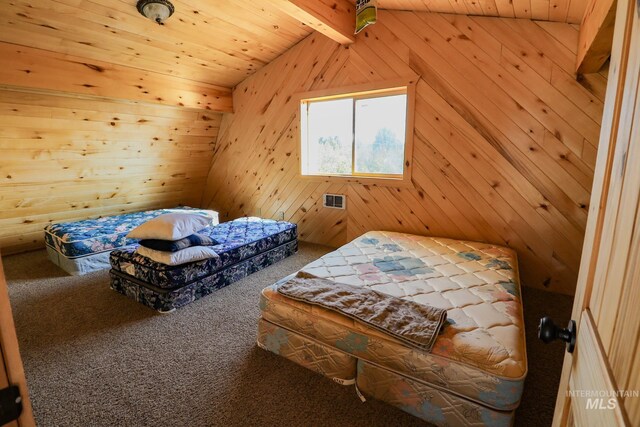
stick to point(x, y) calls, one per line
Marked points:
point(625, 13)
point(11, 366)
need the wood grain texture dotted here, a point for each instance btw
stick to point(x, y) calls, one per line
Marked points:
point(11, 367)
point(615, 294)
point(503, 141)
point(216, 42)
point(333, 18)
point(73, 157)
point(36, 68)
point(608, 153)
point(591, 372)
point(553, 10)
point(596, 36)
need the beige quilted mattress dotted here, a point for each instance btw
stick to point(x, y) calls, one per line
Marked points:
point(480, 353)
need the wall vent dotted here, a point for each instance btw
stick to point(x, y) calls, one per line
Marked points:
point(336, 201)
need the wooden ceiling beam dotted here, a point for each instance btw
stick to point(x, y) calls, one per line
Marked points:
point(333, 18)
point(596, 36)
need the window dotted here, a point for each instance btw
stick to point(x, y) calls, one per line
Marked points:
point(355, 135)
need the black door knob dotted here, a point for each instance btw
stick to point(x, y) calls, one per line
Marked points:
point(548, 331)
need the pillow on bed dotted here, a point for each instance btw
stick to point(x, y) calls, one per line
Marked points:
point(194, 253)
point(176, 245)
point(172, 226)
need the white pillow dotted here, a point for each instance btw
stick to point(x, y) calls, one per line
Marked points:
point(183, 256)
point(171, 226)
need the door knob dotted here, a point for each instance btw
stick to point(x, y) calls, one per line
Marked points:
point(548, 331)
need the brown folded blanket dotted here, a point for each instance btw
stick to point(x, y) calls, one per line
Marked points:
point(416, 325)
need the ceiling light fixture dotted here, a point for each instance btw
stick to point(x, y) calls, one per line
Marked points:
point(156, 10)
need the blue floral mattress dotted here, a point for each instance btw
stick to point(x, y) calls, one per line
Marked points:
point(239, 240)
point(92, 236)
point(167, 300)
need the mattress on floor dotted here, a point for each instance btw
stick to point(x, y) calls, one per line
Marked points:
point(166, 300)
point(480, 353)
point(91, 236)
point(238, 240)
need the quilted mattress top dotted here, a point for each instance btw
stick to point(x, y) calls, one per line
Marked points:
point(91, 236)
point(238, 240)
point(477, 283)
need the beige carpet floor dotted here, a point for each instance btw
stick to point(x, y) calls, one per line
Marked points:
point(96, 358)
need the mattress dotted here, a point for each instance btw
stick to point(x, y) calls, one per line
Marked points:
point(238, 240)
point(480, 354)
point(91, 236)
point(245, 245)
point(167, 300)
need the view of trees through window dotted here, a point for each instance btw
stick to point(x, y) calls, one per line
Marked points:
point(334, 155)
point(351, 136)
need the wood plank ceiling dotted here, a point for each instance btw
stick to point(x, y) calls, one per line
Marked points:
point(219, 43)
point(570, 11)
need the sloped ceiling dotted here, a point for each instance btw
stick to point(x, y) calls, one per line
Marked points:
point(570, 11)
point(217, 42)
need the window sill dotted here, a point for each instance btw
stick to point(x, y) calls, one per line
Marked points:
point(361, 180)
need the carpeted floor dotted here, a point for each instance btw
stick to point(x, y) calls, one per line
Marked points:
point(96, 358)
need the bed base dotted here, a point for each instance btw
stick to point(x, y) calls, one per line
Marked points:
point(167, 300)
point(80, 265)
point(425, 401)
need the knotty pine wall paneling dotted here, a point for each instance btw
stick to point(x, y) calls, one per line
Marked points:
point(37, 68)
point(504, 139)
point(82, 138)
point(67, 157)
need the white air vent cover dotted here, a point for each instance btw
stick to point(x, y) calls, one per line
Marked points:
point(336, 201)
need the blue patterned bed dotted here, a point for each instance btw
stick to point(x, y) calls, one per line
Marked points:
point(92, 236)
point(82, 247)
point(245, 245)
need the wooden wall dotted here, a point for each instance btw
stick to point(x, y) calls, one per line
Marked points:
point(81, 138)
point(504, 144)
point(37, 68)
